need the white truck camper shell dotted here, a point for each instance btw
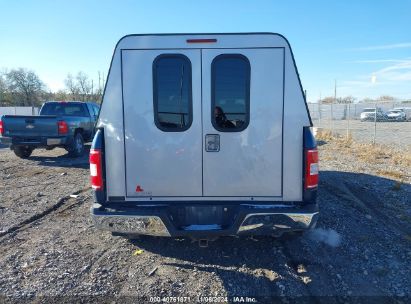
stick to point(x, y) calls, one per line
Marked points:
point(204, 134)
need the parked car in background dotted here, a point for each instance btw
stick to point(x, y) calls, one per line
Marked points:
point(368, 114)
point(396, 115)
point(59, 124)
point(406, 110)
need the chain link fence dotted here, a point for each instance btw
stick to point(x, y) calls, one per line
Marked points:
point(380, 122)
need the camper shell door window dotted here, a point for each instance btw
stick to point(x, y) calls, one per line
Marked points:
point(172, 95)
point(230, 92)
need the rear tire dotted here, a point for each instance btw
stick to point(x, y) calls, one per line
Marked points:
point(22, 151)
point(76, 147)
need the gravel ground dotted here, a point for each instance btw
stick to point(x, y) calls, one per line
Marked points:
point(50, 251)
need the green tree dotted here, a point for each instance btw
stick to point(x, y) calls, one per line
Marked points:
point(24, 86)
point(346, 99)
point(84, 85)
point(3, 91)
point(327, 100)
point(72, 86)
point(386, 98)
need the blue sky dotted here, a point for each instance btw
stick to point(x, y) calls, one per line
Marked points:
point(345, 40)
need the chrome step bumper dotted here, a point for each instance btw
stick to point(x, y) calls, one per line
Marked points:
point(250, 220)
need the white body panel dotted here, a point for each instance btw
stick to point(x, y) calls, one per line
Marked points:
point(275, 92)
point(249, 162)
point(162, 163)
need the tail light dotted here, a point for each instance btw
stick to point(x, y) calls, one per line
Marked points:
point(311, 168)
point(63, 127)
point(1, 128)
point(96, 172)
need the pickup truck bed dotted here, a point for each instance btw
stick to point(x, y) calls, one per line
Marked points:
point(29, 126)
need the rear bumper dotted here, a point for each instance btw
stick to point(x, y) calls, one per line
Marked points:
point(242, 219)
point(40, 141)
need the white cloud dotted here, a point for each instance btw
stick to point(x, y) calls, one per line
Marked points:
point(384, 47)
point(394, 79)
point(396, 73)
point(379, 61)
point(393, 74)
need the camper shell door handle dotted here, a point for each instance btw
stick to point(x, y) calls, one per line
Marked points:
point(212, 142)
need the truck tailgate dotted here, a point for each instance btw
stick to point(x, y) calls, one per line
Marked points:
point(30, 126)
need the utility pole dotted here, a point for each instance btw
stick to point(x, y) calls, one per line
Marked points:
point(348, 122)
point(99, 83)
point(373, 81)
point(335, 101)
point(335, 90)
point(319, 111)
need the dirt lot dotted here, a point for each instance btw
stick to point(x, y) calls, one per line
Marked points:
point(360, 250)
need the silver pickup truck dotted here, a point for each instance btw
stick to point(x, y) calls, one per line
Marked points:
point(60, 124)
point(203, 135)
